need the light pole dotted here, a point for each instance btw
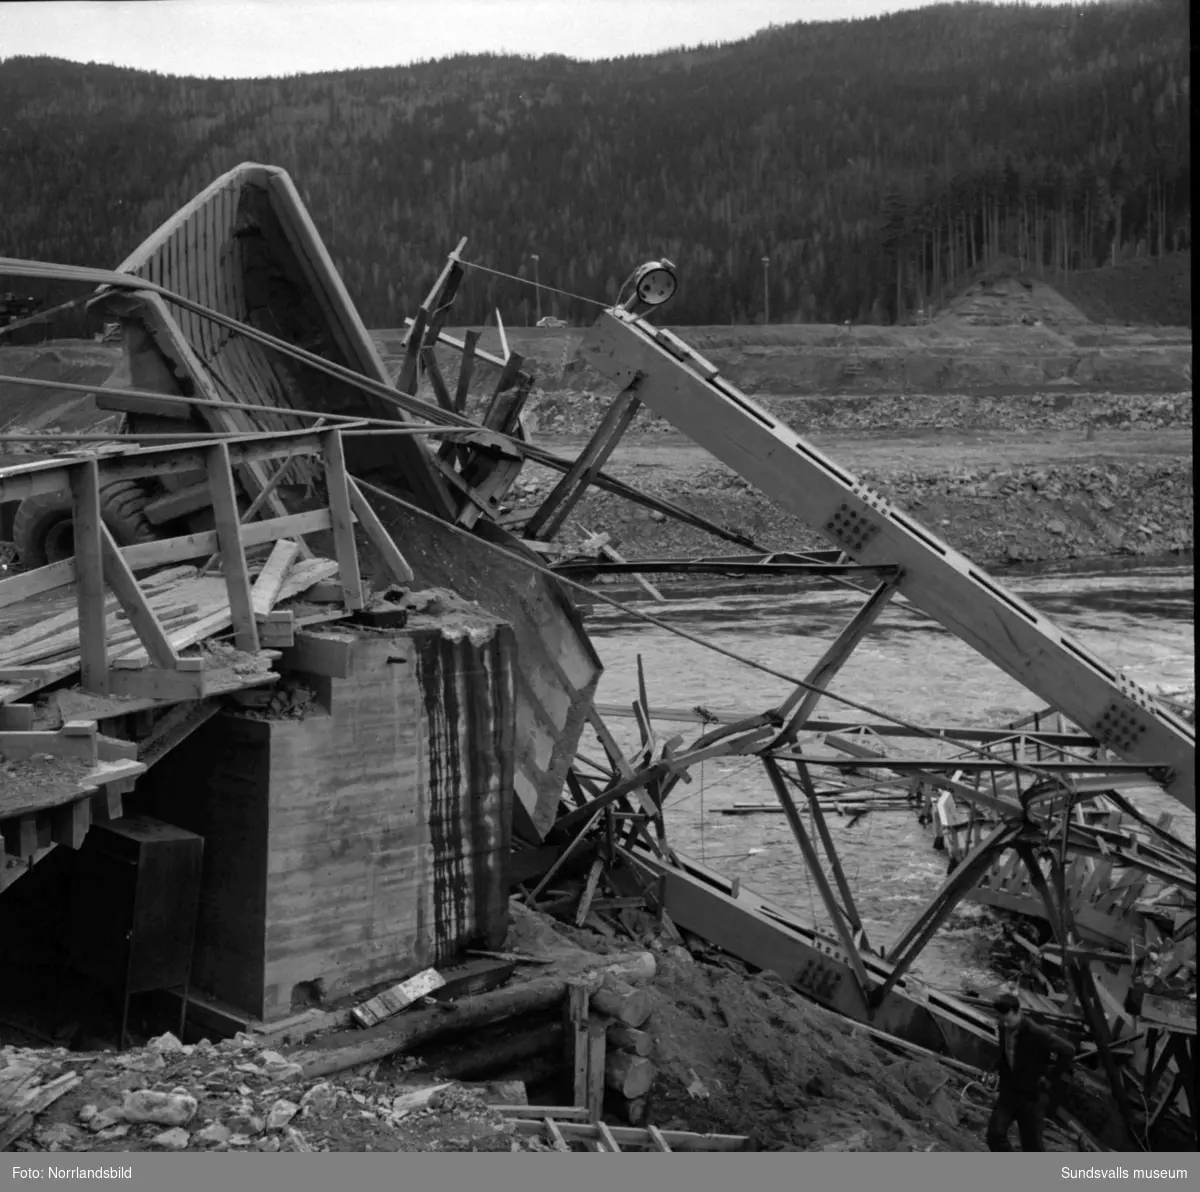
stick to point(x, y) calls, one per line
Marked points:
point(537, 285)
point(766, 293)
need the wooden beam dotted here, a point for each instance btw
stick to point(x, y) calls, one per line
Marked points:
point(406, 379)
point(165, 550)
point(436, 380)
point(270, 579)
point(576, 1039)
point(596, 1047)
point(133, 600)
point(549, 517)
point(338, 486)
point(233, 556)
point(465, 371)
point(69, 824)
point(89, 569)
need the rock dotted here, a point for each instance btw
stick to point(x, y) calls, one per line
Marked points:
point(242, 1123)
point(943, 1108)
point(279, 1068)
point(417, 1098)
point(87, 1112)
point(167, 1109)
point(923, 1078)
point(281, 1113)
point(113, 1132)
point(165, 1044)
point(818, 1086)
point(175, 1139)
point(1057, 527)
point(268, 1144)
point(860, 1140)
point(58, 1135)
point(321, 1098)
point(105, 1118)
point(213, 1134)
point(142, 1061)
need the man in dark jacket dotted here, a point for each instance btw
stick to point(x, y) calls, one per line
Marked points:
point(1031, 1060)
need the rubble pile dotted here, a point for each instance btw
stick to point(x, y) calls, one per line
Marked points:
point(236, 1095)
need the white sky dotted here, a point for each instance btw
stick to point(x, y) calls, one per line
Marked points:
point(255, 38)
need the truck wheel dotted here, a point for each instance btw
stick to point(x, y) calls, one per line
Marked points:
point(42, 529)
point(44, 533)
point(123, 507)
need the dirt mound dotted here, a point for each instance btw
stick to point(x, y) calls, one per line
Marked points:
point(1142, 291)
point(1003, 298)
point(746, 1055)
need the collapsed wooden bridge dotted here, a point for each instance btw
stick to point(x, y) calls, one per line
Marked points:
point(503, 676)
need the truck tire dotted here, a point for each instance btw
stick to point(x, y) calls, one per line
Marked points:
point(43, 531)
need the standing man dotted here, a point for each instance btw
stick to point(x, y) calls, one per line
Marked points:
point(1031, 1060)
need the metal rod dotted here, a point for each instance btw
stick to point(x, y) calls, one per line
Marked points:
point(835, 864)
point(813, 862)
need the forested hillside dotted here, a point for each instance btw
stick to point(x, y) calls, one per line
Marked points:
point(875, 162)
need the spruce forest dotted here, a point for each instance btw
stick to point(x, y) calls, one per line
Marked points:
point(875, 163)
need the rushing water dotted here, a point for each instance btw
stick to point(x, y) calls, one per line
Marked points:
point(1139, 620)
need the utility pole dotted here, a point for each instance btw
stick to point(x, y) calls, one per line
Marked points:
point(537, 285)
point(766, 292)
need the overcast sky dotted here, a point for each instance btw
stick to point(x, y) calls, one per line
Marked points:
point(255, 38)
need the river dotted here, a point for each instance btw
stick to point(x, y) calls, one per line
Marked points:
point(1138, 619)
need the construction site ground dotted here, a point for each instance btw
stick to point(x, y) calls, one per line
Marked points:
point(734, 1053)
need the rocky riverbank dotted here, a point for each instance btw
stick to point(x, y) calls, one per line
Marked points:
point(1041, 477)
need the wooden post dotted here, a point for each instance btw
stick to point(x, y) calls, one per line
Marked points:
point(133, 600)
point(89, 571)
point(595, 1077)
point(576, 1040)
point(338, 486)
point(465, 372)
point(233, 556)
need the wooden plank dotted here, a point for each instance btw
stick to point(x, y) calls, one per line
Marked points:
point(133, 601)
point(465, 372)
point(678, 1140)
point(117, 628)
point(576, 1038)
point(18, 746)
point(436, 380)
point(596, 1047)
point(167, 550)
point(267, 586)
point(660, 1143)
point(338, 486)
point(589, 891)
point(69, 824)
point(152, 682)
point(16, 718)
point(605, 1135)
point(89, 565)
point(383, 542)
point(233, 557)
